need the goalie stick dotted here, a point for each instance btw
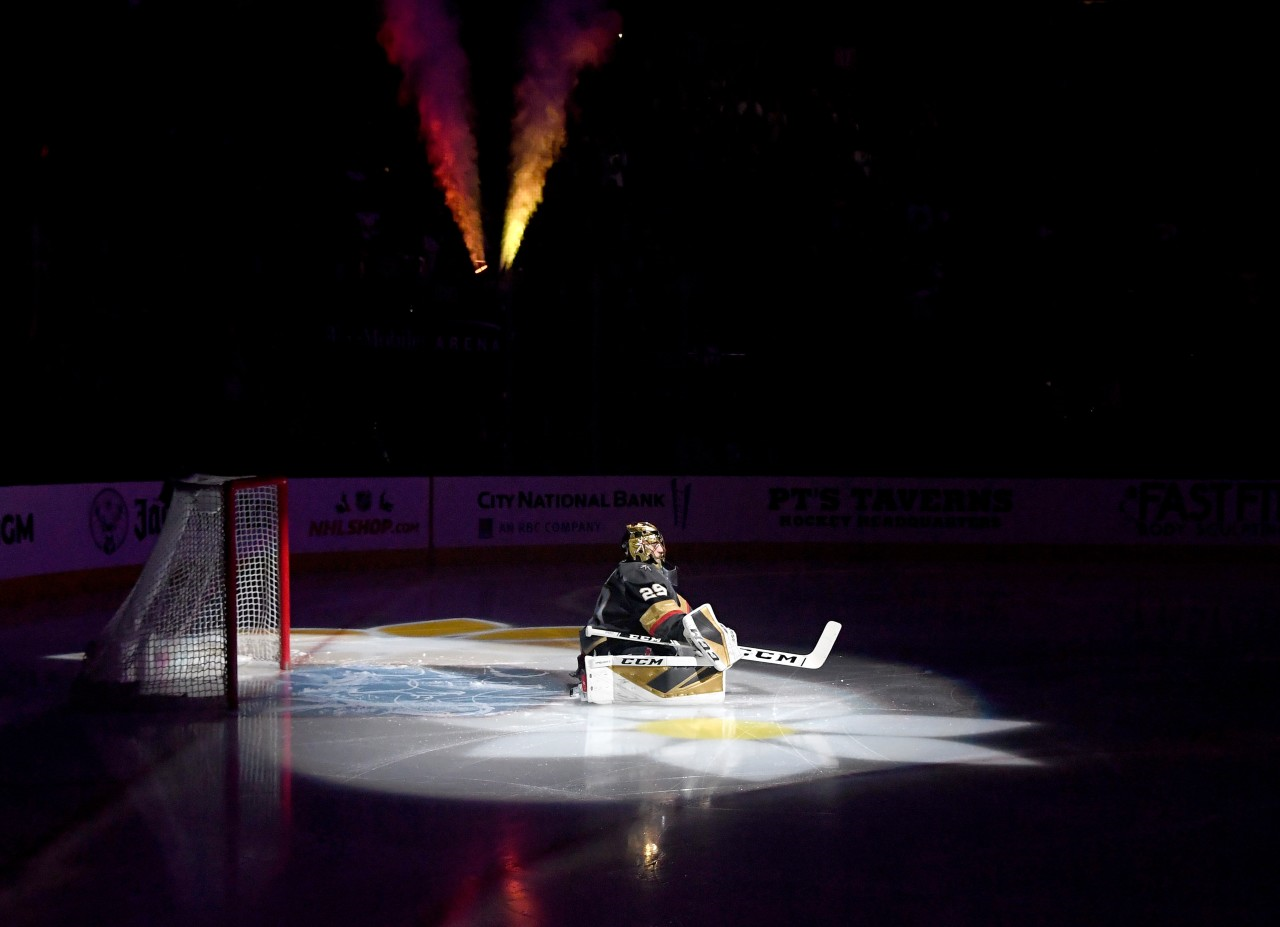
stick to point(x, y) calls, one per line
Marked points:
point(811, 660)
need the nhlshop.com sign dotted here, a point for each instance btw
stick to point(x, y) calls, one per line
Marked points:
point(327, 515)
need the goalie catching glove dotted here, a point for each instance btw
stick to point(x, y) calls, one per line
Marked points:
point(710, 638)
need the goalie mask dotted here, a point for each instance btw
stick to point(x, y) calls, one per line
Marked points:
point(644, 543)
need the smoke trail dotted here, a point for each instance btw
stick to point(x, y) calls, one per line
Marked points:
point(571, 35)
point(422, 39)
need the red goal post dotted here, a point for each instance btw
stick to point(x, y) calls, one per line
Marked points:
point(212, 596)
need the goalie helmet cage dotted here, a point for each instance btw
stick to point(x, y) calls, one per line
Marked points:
point(213, 594)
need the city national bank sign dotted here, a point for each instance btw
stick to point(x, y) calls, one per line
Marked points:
point(564, 514)
point(516, 511)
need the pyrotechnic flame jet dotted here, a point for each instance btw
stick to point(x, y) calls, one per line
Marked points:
point(422, 39)
point(571, 35)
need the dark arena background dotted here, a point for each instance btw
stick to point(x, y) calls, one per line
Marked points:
point(418, 257)
point(923, 238)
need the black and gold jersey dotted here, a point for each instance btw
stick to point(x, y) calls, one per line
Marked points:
point(637, 598)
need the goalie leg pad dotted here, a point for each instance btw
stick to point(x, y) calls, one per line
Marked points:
point(709, 637)
point(668, 680)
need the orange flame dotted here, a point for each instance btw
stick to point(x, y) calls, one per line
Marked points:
point(561, 45)
point(422, 40)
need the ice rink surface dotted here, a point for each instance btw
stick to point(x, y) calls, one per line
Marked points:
point(1057, 740)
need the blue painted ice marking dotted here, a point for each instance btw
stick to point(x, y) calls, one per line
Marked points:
point(419, 690)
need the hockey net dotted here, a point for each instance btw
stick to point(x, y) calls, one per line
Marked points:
point(212, 596)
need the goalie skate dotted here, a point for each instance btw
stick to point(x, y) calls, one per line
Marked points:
point(710, 638)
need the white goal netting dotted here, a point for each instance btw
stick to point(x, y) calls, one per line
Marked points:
point(212, 595)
